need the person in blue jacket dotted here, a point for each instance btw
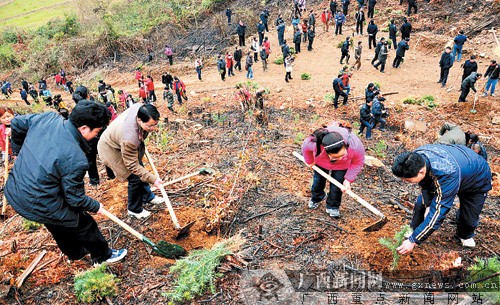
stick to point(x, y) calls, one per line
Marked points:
point(459, 41)
point(46, 183)
point(444, 172)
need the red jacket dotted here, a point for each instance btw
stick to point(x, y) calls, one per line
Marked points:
point(229, 61)
point(304, 27)
point(148, 82)
point(113, 113)
point(326, 17)
point(138, 75)
point(346, 77)
point(58, 78)
point(179, 85)
point(267, 45)
point(142, 92)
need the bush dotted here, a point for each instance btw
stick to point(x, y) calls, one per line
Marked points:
point(59, 28)
point(379, 149)
point(305, 76)
point(393, 243)
point(29, 225)
point(411, 100)
point(378, 85)
point(329, 97)
point(9, 35)
point(299, 138)
point(279, 60)
point(95, 284)
point(8, 59)
point(427, 100)
point(481, 269)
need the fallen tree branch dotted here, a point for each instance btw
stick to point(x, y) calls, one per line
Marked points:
point(268, 212)
point(402, 207)
point(27, 272)
point(330, 224)
point(383, 94)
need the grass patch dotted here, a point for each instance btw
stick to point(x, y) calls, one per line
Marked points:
point(29, 225)
point(95, 284)
point(428, 101)
point(279, 60)
point(329, 97)
point(299, 138)
point(379, 149)
point(393, 243)
point(305, 76)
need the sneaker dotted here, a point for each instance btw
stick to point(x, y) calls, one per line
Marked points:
point(485, 94)
point(157, 200)
point(469, 243)
point(493, 94)
point(333, 212)
point(141, 215)
point(314, 205)
point(116, 255)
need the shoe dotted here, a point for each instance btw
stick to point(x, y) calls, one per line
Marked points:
point(469, 243)
point(333, 212)
point(493, 94)
point(439, 81)
point(485, 94)
point(141, 215)
point(314, 205)
point(382, 71)
point(157, 200)
point(369, 139)
point(116, 255)
point(443, 85)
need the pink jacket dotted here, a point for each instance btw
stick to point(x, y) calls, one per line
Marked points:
point(3, 137)
point(353, 162)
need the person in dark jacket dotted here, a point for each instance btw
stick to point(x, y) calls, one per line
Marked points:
point(297, 38)
point(458, 44)
point(310, 35)
point(221, 67)
point(345, 51)
point(412, 4)
point(382, 57)
point(392, 34)
point(81, 93)
point(378, 111)
point(279, 20)
point(469, 66)
point(333, 7)
point(372, 33)
point(365, 119)
point(24, 84)
point(370, 91)
point(360, 19)
point(400, 52)
point(281, 32)
point(474, 144)
point(168, 80)
point(312, 19)
point(50, 190)
point(240, 30)
point(446, 62)
point(444, 172)
point(377, 50)
point(237, 55)
point(468, 84)
point(338, 87)
point(405, 29)
point(228, 15)
point(371, 8)
point(264, 17)
point(260, 30)
point(24, 95)
point(339, 21)
point(345, 7)
point(492, 73)
point(285, 50)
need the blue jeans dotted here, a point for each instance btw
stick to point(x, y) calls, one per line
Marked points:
point(379, 119)
point(250, 72)
point(368, 126)
point(198, 70)
point(318, 188)
point(347, 89)
point(491, 83)
point(457, 49)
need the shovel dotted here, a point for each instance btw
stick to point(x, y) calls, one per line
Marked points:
point(5, 174)
point(163, 248)
point(201, 171)
point(473, 110)
point(184, 230)
point(373, 227)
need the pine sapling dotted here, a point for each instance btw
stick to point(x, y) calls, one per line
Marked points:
point(95, 284)
point(393, 243)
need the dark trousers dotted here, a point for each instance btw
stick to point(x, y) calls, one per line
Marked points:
point(359, 27)
point(288, 75)
point(338, 29)
point(334, 195)
point(467, 215)
point(375, 58)
point(179, 97)
point(230, 71)
point(410, 6)
point(336, 99)
point(222, 73)
point(229, 20)
point(26, 101)
point(346, 56)
point(310, 45)
point(139, 192)
point(345, 9)
point(76, 242)
point(444, 75)
point(237, 65)
point(152, 96)
point(198, 71)
point(267, 28)
point(397, 61)
point(394, 44)
point(170, 59)
point(371, 11)
point(297, 47)
point(405, 35)
point(463, 95)
point(378, 119)
point(372, 40)
point(368, 125)
point(241, 40)
point(381, 64)
point(255, 56)
point(261, 38)
point(92, 160)
point(304, 34)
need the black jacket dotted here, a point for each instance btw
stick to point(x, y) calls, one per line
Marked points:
point(406, 28)
point(264, 16)
point(402, 47)
point(297, 36)
point(25, 86)
point(285, 49)
point(469, 67)
point(46, 184)
point(372, 3)
point(261, 27)
point(360, 17)
point(492, 71)
point(238, 55)
point(365, 112)
point(446, 60)
point(312, 20)
point(372, 29)
point(338, 86)
point(378, 47)
point(240, 29)
point(333, 7)
point(310, 35)
point(468, 82)
point(392, 30)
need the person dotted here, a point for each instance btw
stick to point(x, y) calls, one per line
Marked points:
point(229, 64)
point(296, 9)
point(6, 116)
point(297, 38)
point(81, 93)
point(360, 19)
point(445, 63)
point(400, 52)
point(101, 88)
point(138, 76)
point(378, 111)
point(366, 119)
point(255, 48)
point(405, 29)
point(338, 87)
point(372, 33)
point(228, 15)
point(237, 55)
point(122, 149)
point(198, 66)
point(249, 66)
point(33, 93)
point(279, 20)
point(345, 7)
point(326, 16)
point(304, 27)
point(312, 19)
point(371, 8)
point(122, 97)
point(474, 144)
point(339, 21)
point(333, 7)
point(412, 4)
point(458, 44)
point(264, 17)
point(170, 54)
point(260, 30)
point(285, 51)
point(370, 92)
point(69, 85)
point(180, 90)
point(444, 172)
point(310, 36)
point(469, 66)
point(169, 97)
point(143, 93)
point(221, 67)
point(112, 110)
point(337, 151)
point(492, 73)
point(47, 97)
point(451, 134)
point(392, 34)
point(288, 67)
point(129, 101)
point(346, 79)
point(149, 51)
point(150, 87)
point(382, 57)
point(64, 207)
point(295, 22)
point(377, 50)
point(240, 30)
point(345, 51)
point(7, 89)
point(468, 84)
point(263, 57)
point(280, 29)
point(357, 55)
point(168, 80)
point(57, 78)
point(24, 84)
point(24, 96)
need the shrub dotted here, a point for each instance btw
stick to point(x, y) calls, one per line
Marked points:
point(8, 59)
point(29, 225)
point(95, 284)
point(378, 85)
point(393, 243)
point(329, 97)
point(379, 149)
point(480, 270)
point(292, 51)
point(9, 35)
point(411, 100)
point(59, 27)
point(279, 60)
point(299, 138)
point(305, 76)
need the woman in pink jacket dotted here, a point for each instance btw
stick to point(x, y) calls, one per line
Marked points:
point(339, 152)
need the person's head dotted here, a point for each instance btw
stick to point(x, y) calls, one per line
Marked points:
point(6, 115)
point(361, 9)
point(176, 78)
point(89, 118)
point(476, 147)
point(108, 104)
point(266, 39)
point(407, 39)
point(284, 41)
point(447, 50)
point(493, 62)
point(81, 93)
point(478, 76)
point(260, 21)
point(385, 43)
point(471, 138)
point(120, 91)
point(369, 101)
point(333, 142)
point(101, 81)
point(372, 21)
point(237, 48)
point(410, 167)
point(371, 86)
point(382, 39)
point(405, 20)
point(473, 58)
point(461, 32)
point(392, 21)
point(359, 43)
point(240, 22)
point(148, 117)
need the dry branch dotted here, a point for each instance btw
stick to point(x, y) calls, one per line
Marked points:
point(384, 94)
point(27, 272)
